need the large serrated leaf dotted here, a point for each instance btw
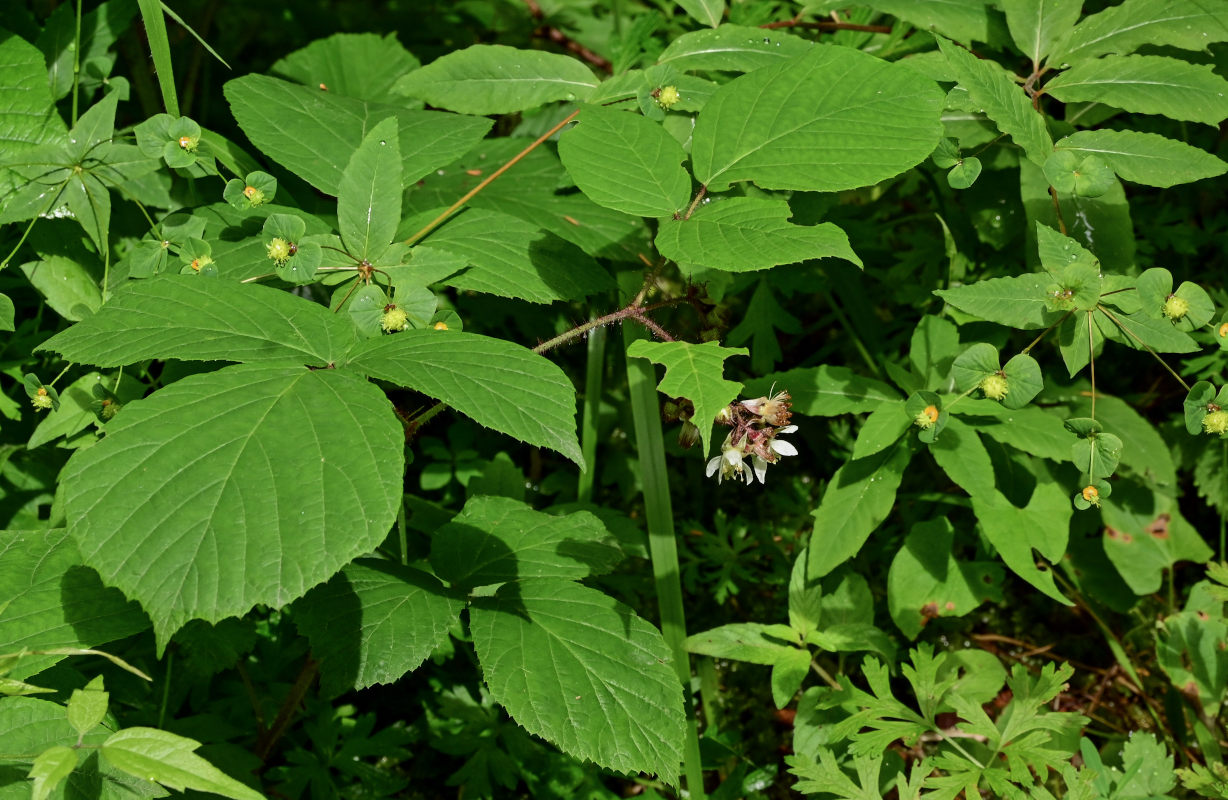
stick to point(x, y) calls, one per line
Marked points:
point(242, 486)
point(693, 371)
point(51, 600)
point(514, 258)
point(733, 48)
point(1146, 85)
point(496, 383)
point(582, 670)
point(626, 162)
point(1146, 158)
point(359, 65)
point(374, 622)
point(495, 79)
point(858, 498)
point(313, 133)
point(1122, 29)
point(1004, 102)
point(27, 116)
point(833, 119)
point(496, 539)
point(826, 391)
point(369, 197)
point(745, 233)
point(184, 317)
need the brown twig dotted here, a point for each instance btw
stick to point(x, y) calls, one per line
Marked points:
point(563, 40)
point(288, 709)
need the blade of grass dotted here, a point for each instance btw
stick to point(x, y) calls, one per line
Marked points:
point(594, 371)
point(160, 49)
point(662, 547)
point(170, 13)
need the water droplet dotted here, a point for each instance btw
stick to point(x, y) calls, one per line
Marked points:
point(767, 41)
point(382, 142)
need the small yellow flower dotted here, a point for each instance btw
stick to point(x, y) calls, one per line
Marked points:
point(995, 386)
point(927, 418)
point(667, 97)
point(394, 319)
point(41, 400)
point(253, 195)
point(1175, 308)
point(189, 143)
point(440, 326)
point(1223, 331)
point(203, 261)
point(279, 251)
point(1092, 495)
point(1216, 422)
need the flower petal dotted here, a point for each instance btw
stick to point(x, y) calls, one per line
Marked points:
point(783, 447)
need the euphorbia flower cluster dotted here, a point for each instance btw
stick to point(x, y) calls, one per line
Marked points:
point(752, 444)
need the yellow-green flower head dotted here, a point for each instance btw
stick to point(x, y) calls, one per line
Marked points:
point(394, 319)
point(1175, 308)
point(927, 418)
point(995, 386)
point(279, 251)
point(41, 400)
point(1216, 422)
point(667, 97)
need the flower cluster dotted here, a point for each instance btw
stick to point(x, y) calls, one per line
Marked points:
point(752, 444)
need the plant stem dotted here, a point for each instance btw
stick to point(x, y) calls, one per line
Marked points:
point(662, 544)
point(1223, 509)
point(594, 372)
point(433, 224)
point(845, 323)
point(703, 190)
point(1091, 362)
point(1144, 345)
point(76, 64)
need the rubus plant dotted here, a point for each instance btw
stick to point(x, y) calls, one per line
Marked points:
point(316, 425)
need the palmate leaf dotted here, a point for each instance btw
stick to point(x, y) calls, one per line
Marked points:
point(495, 79)
point(583, 671)
point(53, 601)
point(1146, 158)
point(313, 133)
point(242, 486)
point(496, 539)
point(369, 197)
point(833, 119)
point(374, 622)
point(359, 65)
point(626, 162)
point(693, 371)
point(1146, 85)
point(496, 383)
point(744, 233)
point(186, 318)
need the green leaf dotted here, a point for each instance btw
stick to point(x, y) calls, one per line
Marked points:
point(6, 313)
point(373, 622)
point(1037, 25)
point(706, 12)
point(926, 581)
point(751, 642)
point(171, 760)
point(1019, 302)
point(626, 162)
point(826, 391)
point(496, 383)
point(563, 658)
point(1159, 334)
point(1004, 101)
point(1088, 176)
point(883, 428)
point(514, 258)
point(313, 133)
point(496, 539)
point(242, 486)
point(858, 498)
point(805, 598)
point(693, 371)
point(50, 768)
point(1058, 252)
point(1146, 85)
point(1121, 29)
point(494, 79)
point(965, 173)
point(962, 455)
point(369, 197)
point(360, 65)
point(1146, 158)
point(1030, 430)
point(1097, 455)
point(1043, 525)
point(733, 48)
point(962, 20)
point(810, 122)
point(87, 707)
point(1145, 535)
point(744, 233)
point(28, 117)
point(196, 320)
point(71, 290)
point(761, 319)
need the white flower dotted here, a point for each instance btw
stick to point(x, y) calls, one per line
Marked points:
point(731, 462)
point(777, 448)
